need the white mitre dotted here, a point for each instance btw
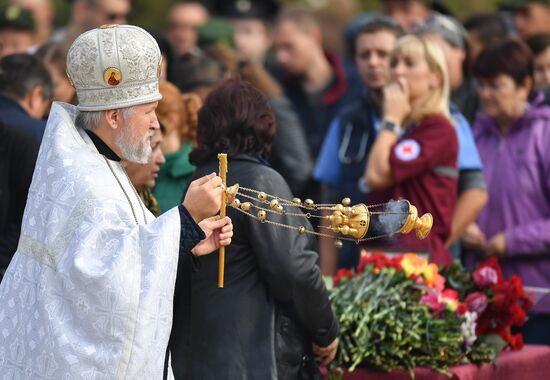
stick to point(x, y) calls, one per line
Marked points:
point(114, 66)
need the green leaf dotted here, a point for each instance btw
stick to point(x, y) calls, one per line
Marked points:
point(329, 282)
point(495, 341)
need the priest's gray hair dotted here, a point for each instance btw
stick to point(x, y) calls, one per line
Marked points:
point(90, 119)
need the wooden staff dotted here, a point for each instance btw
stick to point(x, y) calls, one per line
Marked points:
point(222, 158)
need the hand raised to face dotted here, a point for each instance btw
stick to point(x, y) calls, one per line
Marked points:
point(396, 105)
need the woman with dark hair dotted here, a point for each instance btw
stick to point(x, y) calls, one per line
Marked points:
point(512, 136)
point(290, 154)
point(273, 313)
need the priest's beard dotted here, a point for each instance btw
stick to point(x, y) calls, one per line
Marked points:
point(131, 149)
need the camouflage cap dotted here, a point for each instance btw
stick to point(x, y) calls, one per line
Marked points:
point(215, 31)
point(12, 16)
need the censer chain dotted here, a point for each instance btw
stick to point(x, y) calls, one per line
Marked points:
point(309, 231)
point(317, 206)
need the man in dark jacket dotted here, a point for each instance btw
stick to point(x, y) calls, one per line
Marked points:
point(18, 152)
point(25, 93)
point(316, 81)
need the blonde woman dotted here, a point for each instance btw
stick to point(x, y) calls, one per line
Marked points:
point(415, 154)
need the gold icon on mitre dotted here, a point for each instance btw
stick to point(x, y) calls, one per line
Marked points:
point(112, 76)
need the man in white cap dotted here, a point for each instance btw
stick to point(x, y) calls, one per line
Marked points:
point(88, 295)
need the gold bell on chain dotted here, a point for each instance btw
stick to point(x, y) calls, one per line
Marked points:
point(262, 215)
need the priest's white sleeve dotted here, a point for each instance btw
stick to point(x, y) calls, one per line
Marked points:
point(96, 302)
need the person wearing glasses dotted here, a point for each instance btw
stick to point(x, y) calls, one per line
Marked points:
point(89, 14)
point(512, 135)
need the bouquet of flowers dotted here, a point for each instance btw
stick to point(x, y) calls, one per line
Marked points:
point(402, 313)
point(499, 304)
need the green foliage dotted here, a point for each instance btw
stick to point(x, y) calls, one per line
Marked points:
point(153, 13)
point(385, 326)
point(462, 8)
point(459, 279)
point(150, 13)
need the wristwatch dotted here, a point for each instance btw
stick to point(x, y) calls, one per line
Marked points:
point(392, 127)
point(363, 186)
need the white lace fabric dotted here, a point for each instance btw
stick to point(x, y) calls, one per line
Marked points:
point(88, 294)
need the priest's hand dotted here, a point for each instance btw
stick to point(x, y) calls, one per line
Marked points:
point(204, 197)
point(327, 353)
point(218, 232)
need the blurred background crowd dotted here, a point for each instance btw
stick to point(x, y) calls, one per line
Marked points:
point(444, 103)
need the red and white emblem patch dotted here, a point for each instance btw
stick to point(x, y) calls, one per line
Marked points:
point(407, 150)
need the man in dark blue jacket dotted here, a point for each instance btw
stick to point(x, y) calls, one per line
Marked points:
point(18, 152)
point(317, 82)
point(25, 93)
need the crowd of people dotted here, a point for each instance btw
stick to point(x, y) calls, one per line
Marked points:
point(413, 104)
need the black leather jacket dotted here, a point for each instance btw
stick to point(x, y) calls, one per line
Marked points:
point(272, 282)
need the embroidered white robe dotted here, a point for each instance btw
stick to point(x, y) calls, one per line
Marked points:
point(88, 294)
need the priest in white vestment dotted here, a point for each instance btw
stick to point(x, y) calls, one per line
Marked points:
point(89, 292)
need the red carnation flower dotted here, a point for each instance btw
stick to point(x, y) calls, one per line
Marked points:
point(476, 302)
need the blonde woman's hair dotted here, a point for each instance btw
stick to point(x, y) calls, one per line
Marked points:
point(438, 101)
